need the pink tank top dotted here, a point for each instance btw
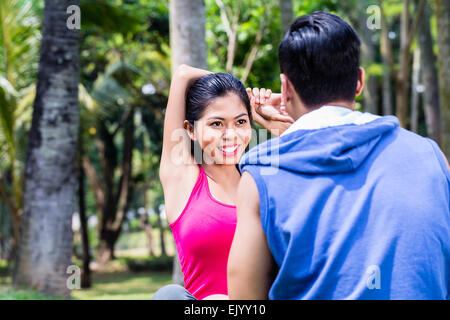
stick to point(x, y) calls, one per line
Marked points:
point(203, 234)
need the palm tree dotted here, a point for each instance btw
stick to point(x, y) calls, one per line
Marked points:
point(45, 247)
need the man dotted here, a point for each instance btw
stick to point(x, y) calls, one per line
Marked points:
point(355, 207)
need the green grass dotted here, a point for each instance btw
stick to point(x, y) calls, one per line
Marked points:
point(106, 286)
point(124, 286)
point(8, 293)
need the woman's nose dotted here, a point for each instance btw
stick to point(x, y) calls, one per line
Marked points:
point(229, 133)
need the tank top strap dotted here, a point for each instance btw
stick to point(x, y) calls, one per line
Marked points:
point(202, 178)
point(202, 172)
point(201, 182)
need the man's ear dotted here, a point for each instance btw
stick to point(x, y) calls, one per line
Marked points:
point(189, 129)
point(361, 80)
point(286, 88)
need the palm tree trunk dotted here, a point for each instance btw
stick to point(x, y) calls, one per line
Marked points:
point(187, 33)
point(367, 58)
point(404, 73)
point(443, 22)
point(188, 45)
point(415, 92)
point(45, 247)
point(144, 223)
point(161, 231)
point(287, 15)
point(430, 78)
point(15, 215)
point(116, 206)
point(407, 32)
point(86, 257)
point(388, 62)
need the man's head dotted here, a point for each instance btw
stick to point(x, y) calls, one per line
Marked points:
point(319, 62)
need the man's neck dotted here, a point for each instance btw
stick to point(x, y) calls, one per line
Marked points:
point(304, 109)
point(329, 116)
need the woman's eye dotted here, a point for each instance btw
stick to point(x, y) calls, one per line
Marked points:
point(241, 121)
point(216, 124)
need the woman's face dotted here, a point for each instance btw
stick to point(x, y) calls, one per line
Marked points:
point(223, 131)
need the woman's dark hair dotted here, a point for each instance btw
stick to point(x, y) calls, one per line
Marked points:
point(205, 89)
point(320, 56)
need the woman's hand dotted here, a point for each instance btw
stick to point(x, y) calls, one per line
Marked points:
point(268, 110)
point(189, 74)
point(268, 105)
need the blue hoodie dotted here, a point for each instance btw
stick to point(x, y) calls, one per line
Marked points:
point(355, 212)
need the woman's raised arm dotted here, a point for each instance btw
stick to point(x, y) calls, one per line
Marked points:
point(175, 135)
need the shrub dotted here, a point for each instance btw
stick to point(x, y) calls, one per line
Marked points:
point(162, 263)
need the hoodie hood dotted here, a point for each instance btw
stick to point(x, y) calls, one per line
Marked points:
point(336, 149)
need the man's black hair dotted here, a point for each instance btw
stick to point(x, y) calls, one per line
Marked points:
point(320, 56)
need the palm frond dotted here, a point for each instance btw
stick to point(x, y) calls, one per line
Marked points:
point(19, 40)
point(115, 18)
point(8, 96)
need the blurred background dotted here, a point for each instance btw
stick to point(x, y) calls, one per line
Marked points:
point(83, 88)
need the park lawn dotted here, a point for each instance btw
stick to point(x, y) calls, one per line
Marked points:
point(122, 285)
point(8, 293)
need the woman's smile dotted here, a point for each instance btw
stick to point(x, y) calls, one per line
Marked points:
point(229, 150)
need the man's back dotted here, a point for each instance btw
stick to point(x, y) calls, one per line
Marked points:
point(355, 212)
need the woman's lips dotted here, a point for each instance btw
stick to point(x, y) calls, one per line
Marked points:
point(229, 150)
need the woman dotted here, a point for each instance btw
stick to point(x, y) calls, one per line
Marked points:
point(206, 131)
